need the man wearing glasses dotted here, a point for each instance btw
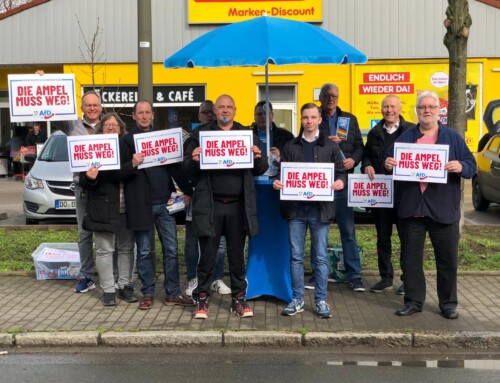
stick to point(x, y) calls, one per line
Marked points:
point(342, 127)
point(432, 208)
point(91, 115)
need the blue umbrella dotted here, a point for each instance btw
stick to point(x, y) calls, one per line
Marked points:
point(264, 40)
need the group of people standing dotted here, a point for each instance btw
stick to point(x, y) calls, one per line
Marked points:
point(122, 207)
point(419, 207)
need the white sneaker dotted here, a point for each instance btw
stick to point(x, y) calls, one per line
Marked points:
point(220, 287)
point(191, 286)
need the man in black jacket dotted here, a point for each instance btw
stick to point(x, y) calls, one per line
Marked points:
point(380, 138)
point(342, 128)
point(278, 137)
point(223, 204)
point(146, 195)
point(311, 146)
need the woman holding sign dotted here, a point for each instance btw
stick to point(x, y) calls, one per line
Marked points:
point(105, 216)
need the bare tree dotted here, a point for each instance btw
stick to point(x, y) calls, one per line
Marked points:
point(457, 23)
point(92, 54)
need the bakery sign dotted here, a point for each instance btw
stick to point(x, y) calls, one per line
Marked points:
point(162, 94)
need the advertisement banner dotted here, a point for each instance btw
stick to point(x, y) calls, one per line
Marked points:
point(159, 147)
point(421, 162)
point(226, 149)
point(374, 82)
point(41, 98)
point(231, 11)
point(306, 181)
point(99, 150)
point(363, 192)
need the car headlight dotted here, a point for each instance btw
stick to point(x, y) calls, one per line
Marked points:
point(33, 183)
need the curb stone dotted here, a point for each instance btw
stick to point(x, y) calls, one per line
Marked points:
point(63, 339)
point(436, 340)
point(352, 339)
point(6, 340)
point(262, 338)
point(161, 338)
point(464, 339)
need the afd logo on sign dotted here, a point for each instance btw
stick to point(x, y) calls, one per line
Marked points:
point(421, 176)
point(372, 202)
point(161, 160)
point(46, 114)
point(228, 163)
point(308, 194)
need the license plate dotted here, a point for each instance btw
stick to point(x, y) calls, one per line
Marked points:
point(65, 204)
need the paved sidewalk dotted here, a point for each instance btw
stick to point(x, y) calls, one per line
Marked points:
point(28, 305)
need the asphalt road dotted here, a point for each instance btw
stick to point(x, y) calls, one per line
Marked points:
point(249, 365)
point(11, 202)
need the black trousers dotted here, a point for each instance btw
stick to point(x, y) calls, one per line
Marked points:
point(384, 221)
point(444, 239)
point(229, 220)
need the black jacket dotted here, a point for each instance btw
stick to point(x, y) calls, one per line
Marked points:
point(441, 202)
point(376, 146)
point(352, 147)
point(325, 151)
point(279, 136)
point(137, 185)
point(103, 207)
point(203, 198)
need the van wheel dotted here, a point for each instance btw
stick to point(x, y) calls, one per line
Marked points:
point(478, 201)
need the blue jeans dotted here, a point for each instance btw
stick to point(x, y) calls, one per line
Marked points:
point(192, 254)
point(167, 233)
point(144, 263)
point(85, 244)
point(344, 217)
point(308, 215)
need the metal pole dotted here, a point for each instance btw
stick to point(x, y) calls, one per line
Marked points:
point(268, 133)
point(145, 50)
point(145, 68)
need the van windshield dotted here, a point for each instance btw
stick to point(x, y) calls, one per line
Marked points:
point(55, 149)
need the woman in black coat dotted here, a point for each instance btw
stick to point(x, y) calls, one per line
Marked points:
point(106, 217)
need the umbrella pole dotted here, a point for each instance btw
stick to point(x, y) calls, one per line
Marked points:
point(268, 135)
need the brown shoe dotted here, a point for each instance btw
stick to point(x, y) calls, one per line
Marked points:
point(181, 300)
point(146, 303)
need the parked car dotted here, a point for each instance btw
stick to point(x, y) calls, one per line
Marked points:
point(486, 181)
point(49, 187)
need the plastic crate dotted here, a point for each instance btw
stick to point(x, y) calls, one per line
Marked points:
point(57, 261)
point(336, 267)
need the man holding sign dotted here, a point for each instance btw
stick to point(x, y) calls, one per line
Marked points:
point(311, 146)
point(380, 138)
point(431, 207)
point(146, 195)
point(223, 204)
point(343, 128)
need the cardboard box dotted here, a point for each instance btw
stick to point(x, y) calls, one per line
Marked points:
point(57, 261)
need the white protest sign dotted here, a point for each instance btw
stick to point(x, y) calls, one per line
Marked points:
point(40, 98)
point(99, 150)
point(159, 147)
point(362, 192)
point(421, 162)
point(306, 181)
point(226, 149)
